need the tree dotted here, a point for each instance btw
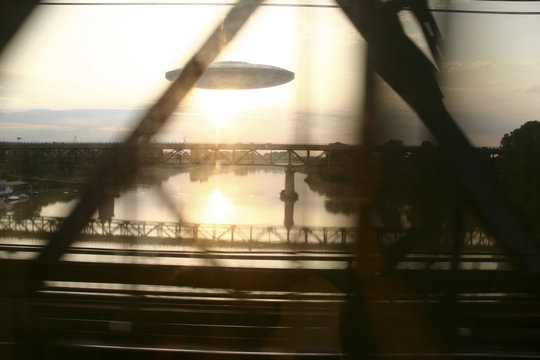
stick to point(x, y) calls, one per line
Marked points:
point(519, 170)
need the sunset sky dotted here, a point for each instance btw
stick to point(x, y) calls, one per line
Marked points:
point(87, 73)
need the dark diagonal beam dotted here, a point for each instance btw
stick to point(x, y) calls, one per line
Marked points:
point(13, 13)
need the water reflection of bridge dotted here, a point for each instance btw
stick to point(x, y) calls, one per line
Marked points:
point(195, 154)
point(186, 231)
point(221, 233)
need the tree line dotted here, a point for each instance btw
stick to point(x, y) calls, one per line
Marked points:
point(416, 190)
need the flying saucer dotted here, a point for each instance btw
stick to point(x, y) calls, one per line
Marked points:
point(235, 75)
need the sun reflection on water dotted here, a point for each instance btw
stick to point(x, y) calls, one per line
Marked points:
point(219, 208)
point(213, 196)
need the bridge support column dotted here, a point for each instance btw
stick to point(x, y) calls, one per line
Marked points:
point(106, 209)
point(289, 196)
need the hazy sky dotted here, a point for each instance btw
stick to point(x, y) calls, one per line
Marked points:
point(89, 72)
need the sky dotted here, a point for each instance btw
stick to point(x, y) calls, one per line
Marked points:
point(89, 73)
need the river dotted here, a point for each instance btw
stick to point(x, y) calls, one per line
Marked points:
point(207, 195)
point(241, 195)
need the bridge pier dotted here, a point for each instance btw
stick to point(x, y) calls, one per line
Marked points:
point(106, 209)
point(289, 197)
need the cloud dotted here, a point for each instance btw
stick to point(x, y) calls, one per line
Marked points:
point(22, 126)
point(105, 125)
point(535, 89)
point(530, 62)
point(64, 125)
point(112, 128)
point(444, 4)
point(466, 66)
point(266, 126)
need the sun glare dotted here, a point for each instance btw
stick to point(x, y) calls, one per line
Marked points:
point(219, 207)
point(220, 106)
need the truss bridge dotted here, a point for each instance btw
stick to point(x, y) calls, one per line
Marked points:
point(196, 153)
point(222, 233)
point(238, 234)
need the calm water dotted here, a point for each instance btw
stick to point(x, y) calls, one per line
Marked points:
point(243, 196)
point(224, 196)
point(201, 195)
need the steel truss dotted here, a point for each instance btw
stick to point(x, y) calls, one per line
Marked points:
point(198, 154)
point(223, 233)
point(187, 231)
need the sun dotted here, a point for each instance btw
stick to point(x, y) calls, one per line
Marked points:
point(223, 109)
point(220, 106)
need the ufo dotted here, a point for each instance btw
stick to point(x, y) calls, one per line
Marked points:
point(236, 75)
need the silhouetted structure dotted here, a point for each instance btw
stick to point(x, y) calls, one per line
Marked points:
point(367, 308)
